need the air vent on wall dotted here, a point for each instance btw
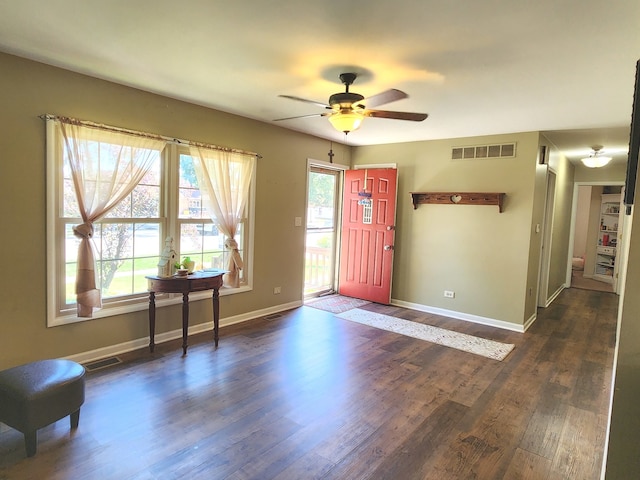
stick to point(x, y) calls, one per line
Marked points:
point(484, 151)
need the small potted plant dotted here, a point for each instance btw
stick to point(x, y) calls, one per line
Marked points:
point(180, 270)
point(189, 264)
point(185, 267)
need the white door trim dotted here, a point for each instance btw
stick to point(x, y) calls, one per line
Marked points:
point(547, 235)
point(572, 229)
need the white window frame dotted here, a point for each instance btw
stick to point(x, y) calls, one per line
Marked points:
point(169, 225)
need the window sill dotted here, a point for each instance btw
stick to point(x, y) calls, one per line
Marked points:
point(140, 305)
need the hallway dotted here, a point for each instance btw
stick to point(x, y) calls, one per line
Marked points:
point(578, 281)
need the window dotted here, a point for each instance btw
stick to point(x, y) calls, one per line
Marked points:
point(126, 240)
point(165, 202)
point(200, 239)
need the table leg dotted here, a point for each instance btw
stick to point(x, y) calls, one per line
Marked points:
point(152, 321)
point(185, 321)
point(216, 315)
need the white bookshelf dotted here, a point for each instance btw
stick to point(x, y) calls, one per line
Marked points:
point(606, 250)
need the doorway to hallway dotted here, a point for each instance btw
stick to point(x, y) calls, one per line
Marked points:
point(596, 252)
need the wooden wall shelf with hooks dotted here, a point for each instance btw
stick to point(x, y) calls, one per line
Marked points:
point(458, 198)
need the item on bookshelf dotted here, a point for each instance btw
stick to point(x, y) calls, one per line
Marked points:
point(607, 241)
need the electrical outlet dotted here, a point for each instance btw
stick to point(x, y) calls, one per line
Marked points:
point(277, 290)
point(449, 294)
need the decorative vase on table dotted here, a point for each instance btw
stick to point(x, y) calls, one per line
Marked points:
point(189, 265)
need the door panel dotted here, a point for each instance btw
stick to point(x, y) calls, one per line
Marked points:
point(323, 193)
point(368, 232)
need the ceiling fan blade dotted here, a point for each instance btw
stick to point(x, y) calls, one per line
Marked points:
point(303, 116)
point(384, 97)
point(291, 97)
point(414, 117)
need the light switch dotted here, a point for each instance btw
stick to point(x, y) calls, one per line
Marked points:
point(298, 221)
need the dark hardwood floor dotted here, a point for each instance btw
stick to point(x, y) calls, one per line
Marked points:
point(311, 396)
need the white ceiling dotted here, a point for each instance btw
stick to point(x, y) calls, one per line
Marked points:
point(477, 67)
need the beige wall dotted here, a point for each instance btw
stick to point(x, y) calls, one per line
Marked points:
point(624, 444)
point(623, 454)
point(610, 173)
point(30, 89)
point(480, 254)
point(535, 239)
point(582, 221)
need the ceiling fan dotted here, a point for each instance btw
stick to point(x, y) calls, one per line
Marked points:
point(348, 109)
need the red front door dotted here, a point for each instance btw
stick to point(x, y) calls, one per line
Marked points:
point(368, 230)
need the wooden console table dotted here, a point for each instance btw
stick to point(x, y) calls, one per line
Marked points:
point(196, 282)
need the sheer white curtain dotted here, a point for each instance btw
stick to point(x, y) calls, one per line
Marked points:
point(106, 165)
point(224, 178)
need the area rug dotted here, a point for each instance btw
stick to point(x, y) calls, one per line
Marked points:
point(460, 341)
point(336, 303)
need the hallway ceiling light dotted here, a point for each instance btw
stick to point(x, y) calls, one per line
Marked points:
point(595, 160)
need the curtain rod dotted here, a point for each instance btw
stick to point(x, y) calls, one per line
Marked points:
point(85, 123)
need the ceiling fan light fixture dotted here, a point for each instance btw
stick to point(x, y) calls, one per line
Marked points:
point(348, 109)
point(346, 121)
point(595, 160)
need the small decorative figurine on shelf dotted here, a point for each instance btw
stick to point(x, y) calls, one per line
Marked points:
point(167, 259)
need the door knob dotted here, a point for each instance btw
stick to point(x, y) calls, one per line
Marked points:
point(391, 227)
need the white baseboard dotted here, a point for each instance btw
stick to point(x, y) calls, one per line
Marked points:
point(530, 321)
point(554, 295)
point(138, 343)
point(464, 316)
point(131, 345)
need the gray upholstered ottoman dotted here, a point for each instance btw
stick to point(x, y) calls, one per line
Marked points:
point(39, 393)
